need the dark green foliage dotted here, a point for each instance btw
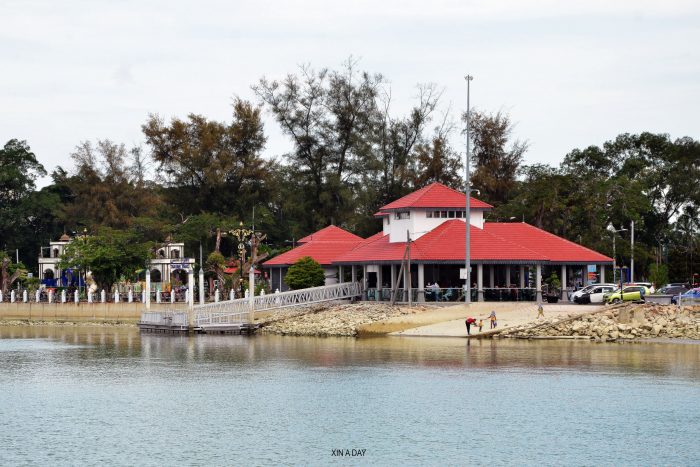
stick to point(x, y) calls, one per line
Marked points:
point(304, 273)
point(109, 254)
point(349, 154)
point(658, 275)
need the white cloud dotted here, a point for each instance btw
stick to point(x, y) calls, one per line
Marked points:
point(572, 73)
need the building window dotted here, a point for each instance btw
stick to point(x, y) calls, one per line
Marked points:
point(451, 214)
point(443, 214)
point(402, 214)
point(460, 214)
point(429, 214)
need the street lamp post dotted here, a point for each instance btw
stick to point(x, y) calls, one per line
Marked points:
point(614, 234)
point(467, 215)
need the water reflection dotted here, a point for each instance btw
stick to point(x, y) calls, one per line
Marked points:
point(125, 343)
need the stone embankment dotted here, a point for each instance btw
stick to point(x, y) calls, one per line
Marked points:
point(337, 320)
point(27, 322)
point(621, 322)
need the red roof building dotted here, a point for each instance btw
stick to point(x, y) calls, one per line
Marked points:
point(428, 226)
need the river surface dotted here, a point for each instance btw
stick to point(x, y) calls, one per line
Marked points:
point(90, 395)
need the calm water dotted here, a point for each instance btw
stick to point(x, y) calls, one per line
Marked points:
point(72, 396)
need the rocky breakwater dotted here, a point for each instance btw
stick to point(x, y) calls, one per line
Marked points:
point(621, 322)
point(338, 320)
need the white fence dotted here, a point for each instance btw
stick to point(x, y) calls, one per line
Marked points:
point(239, 310)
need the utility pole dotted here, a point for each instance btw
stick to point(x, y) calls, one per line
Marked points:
point(632, 254)
point(614, 234)
point(467, 214)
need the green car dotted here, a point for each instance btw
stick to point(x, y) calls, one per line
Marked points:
point(629, 294)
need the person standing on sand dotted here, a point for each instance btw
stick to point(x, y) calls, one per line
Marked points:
point(540, 311)
point(469, 322)
point(481, 324)
point(492, 319)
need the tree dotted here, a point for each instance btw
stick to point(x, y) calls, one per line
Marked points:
point(436, 161)
point(210, 166)
point(330, 116)
point(496, 164)
point(305, 273)
point(19, 170)
point(9, 273)
point(110, 255)
point(658, 275)
point(106, 189)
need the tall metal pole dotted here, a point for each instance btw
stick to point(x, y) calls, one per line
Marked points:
point(632, 258)
point(614, 260)
point(467, 214)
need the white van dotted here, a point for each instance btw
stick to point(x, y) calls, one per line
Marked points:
point(579, 293)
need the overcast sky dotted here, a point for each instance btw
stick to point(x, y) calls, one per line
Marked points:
point(570, 73)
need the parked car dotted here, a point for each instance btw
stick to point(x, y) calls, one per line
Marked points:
point(587, 289)
point(673, 290)
point(692, 294)
point(628, 294)
point(594, 294)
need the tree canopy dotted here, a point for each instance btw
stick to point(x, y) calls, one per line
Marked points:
point(349, 152)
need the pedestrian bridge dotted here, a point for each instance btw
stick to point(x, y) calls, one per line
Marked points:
point(239, 313)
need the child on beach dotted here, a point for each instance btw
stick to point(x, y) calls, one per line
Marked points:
point(481, 324)
point(540, 311)
point(492, 318)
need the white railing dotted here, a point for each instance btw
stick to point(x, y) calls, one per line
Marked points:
point(164, 318)
point(238, 311)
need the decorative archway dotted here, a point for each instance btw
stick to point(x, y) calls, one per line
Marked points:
point(178, 276)
point(156, 275)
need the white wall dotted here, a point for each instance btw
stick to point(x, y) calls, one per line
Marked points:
point(418, 224)
point(331, 274)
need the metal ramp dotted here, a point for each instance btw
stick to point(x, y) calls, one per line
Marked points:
point(237, 313)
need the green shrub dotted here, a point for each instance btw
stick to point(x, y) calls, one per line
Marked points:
point(658, 275)
point(305, 273)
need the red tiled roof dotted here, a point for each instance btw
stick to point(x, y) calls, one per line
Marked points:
point(443, 243)
point(323, 246)
point(556, 248)
point(331, 234)
point(435, 195)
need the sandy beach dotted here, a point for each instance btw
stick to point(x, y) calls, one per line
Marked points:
point(508, 314)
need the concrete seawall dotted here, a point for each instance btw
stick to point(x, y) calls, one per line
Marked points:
point(78, 312)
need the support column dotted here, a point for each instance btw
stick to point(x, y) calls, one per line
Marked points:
point(480, 282)
point(340, 274)
point(364, 277)
point(148, 288)
point(508, 275)
point(251, 292)
point(393, 276)
point(406, 285)
point(538, 282)
point(421, 283)
point(602, 274)
point(522, 276)
point(380, 281)
point(190, 288)
point(353, 273)
point(563, 281)
point(201, 285)
point(281, 275)
point(492, 270)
